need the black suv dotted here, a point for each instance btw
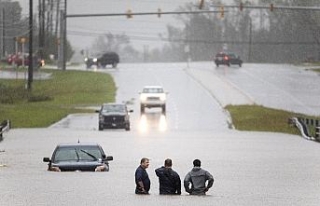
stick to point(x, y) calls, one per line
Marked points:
point(113, 115)
point(108, 58)
point(227, 59)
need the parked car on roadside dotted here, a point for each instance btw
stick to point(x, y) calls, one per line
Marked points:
point(78, 157)
point(223, 58)
point(23, 60)
point(114, 115)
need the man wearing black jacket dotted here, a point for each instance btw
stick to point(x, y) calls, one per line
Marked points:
point(169, 180)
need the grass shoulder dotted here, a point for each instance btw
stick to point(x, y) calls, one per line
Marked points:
point(259, 118)
point(52, 99)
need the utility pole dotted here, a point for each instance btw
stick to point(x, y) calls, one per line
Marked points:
point(62, 42)
point(250, 39)
point(64, 37)
point(41, 28)
point(30, 67)
point(3, 32)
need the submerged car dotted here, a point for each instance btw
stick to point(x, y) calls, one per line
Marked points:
point(228, 59)
point(114, 115)
point(78, 157)
point(153, 96)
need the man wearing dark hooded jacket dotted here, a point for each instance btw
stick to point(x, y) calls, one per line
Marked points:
point(198, 178)
point(169, 180)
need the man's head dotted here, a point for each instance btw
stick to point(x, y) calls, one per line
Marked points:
point(196, 163)
point(168, 163)
point(144, 163)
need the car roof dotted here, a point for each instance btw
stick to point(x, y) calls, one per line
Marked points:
point(113, 104)
point(80, 144)
point(152, 86)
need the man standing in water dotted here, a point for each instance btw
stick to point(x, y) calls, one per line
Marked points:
point(169, 180)
point(198, 177)
point(141, 177)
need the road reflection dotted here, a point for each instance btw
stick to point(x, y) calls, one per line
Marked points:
point(152, 121)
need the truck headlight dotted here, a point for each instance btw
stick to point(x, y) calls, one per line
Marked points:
point(143, 98)
point(163, 97)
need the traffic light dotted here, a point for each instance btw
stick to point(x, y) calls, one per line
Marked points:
point(271, 7)
point(159, 13)
point(201, 3)
point(221, 11)
point(241, 6)
point(129, 14)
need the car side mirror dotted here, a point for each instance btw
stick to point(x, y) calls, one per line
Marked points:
point(109, 158)
point(131, 110)
point(46, 159)
point(97, 111)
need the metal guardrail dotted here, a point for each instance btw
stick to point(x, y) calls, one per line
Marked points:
point(4, 126)
point(303, 124)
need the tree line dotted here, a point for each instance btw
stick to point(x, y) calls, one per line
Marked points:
point(14, 27)
point(257, 35)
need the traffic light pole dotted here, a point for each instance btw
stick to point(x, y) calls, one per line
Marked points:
point(140, 13)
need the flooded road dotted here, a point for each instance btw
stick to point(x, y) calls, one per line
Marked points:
point(250, 168)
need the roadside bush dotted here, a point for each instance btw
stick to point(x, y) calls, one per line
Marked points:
point(11, 95)
point(39, 98)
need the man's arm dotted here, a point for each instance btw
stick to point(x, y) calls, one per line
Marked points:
point(210, 179)
point(178, 184)
point(187, 183)
point(141, 186)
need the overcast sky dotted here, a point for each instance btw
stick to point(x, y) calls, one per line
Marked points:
point(144, 31)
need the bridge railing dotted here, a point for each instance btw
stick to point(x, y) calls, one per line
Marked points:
point(309, 128)
point(4, 126)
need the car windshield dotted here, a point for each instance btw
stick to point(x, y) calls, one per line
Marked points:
point(220, 55)
point(152, 90)
point(76, 154)
point(232, 55)
point(114, 108)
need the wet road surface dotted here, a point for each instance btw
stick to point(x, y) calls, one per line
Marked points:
point(250, 168)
